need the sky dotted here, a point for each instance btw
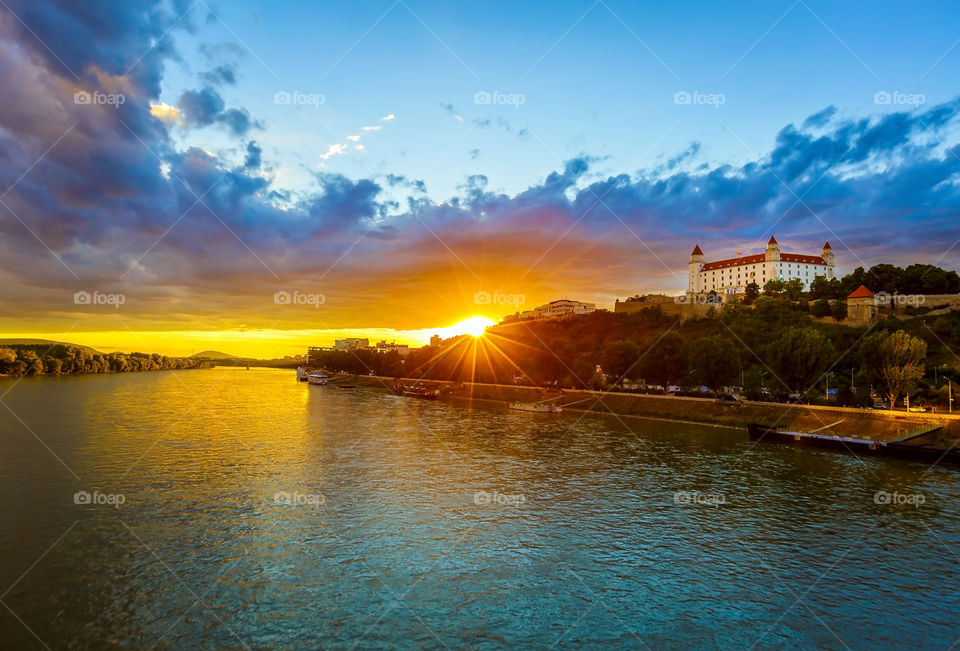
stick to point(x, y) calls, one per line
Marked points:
point(259, 177)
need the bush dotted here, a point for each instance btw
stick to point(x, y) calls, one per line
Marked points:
point(822, 308)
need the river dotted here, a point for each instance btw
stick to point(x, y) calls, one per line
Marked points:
point(228, 508)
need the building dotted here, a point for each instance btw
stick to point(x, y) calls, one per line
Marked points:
point(561, 307)
point(728, 277)
point(351, 343)
point(384, 347)
point(861, 305)
point(435, 340)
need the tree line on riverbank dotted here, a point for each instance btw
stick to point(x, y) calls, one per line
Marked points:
point(60, 359)
point(772, 350)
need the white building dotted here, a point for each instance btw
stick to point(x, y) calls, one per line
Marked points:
point(558, 308)
point(351, 343)
point(733, 275)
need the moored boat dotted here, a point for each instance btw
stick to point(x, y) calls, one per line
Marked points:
point(908, 446)
point(301, 374)
point(540, 407)
point(419, 390)
point(319, 379)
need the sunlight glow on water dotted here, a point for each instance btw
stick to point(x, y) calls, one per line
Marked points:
point(261, 512)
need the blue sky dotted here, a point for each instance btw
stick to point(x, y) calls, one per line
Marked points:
point(596, 79)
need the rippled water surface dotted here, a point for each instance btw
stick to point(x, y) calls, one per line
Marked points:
point(262, 513)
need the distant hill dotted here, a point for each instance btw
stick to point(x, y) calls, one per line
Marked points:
point(214, 354)
point(45, 342)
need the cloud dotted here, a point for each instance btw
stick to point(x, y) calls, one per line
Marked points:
point(221, 75)
point(354, 138)
point(337, 149)
point(373, 128)
point(449, 108)
point(123, 215)
point(166, 113)
point(388, 118)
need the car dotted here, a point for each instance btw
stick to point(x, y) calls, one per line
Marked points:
point(917, 408)
point(729, 400)
point(878, 405)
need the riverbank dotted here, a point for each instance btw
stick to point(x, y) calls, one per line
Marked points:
point(861, 423)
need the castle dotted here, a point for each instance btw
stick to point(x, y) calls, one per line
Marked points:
point(729, 277)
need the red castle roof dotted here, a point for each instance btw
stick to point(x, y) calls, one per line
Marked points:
point(760, 257)
point(861, 292)
point(696, 250)
point(827, 247)
point(773, 240)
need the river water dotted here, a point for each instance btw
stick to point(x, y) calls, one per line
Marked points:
point(240, 509)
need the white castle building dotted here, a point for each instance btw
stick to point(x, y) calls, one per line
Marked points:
point(732, 276)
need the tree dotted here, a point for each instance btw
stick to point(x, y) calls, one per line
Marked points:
point(619, 358)
point(821, 307)
point(893, 360)
point(839, 310)
point(794, 289)
point(799, 357)
point(713, 361)
point(774, 287)
point(663, 362)
point(751, 292)
point(819, 288)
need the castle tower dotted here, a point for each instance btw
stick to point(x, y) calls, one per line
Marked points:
point(773, 250)
point(827, 254)
point(696, 263)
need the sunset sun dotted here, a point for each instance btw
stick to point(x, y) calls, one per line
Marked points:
point(473, 326)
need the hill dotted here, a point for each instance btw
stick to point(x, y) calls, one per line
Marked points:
point(15, 341)
point(213, 354)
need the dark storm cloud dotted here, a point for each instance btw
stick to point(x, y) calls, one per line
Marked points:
point(201, 108)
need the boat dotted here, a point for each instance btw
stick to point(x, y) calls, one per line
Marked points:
point(418, 390)
point(301, 374)
point(829, 441)
point(538, 407)
point(319, 379)
point(904, 447)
